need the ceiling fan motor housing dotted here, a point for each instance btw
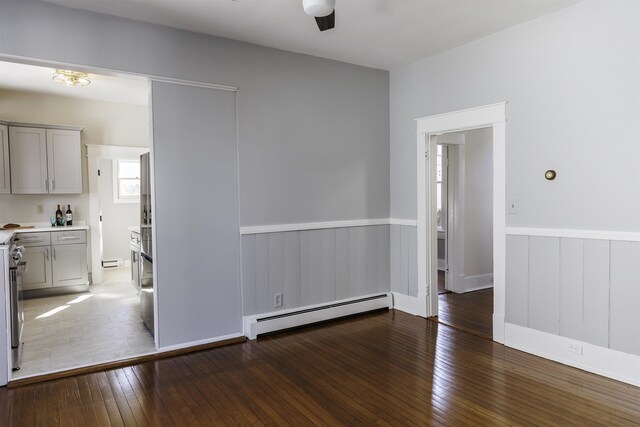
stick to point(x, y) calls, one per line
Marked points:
point(318, 8)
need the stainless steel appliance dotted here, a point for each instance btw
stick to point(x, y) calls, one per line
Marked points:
point(17, 268)
point(146, 245)
point(134, 248)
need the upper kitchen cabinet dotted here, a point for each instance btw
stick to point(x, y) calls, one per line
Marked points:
point(5, 183)
point(63, 161)
point(45, 160)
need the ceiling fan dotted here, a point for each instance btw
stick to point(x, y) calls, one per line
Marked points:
point(323, 10)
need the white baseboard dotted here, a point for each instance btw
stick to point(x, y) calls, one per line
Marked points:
point(406, 303)
point(599, 360)
point(473, 283)
point(198, 342)
point(257, 324)
point(498, 328)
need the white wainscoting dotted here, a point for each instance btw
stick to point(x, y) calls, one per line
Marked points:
point(579, 285)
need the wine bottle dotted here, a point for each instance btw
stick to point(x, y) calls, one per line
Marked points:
point(59, 220)
point(69, 215)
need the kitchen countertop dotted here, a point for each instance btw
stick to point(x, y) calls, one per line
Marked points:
point(135, 229)
point(6, 235)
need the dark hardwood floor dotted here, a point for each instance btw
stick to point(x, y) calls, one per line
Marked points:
point(384, 368)
point(471, 312)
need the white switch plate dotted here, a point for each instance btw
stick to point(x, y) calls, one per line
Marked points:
point(40, 209)
point(278, 300)
point(512, 207)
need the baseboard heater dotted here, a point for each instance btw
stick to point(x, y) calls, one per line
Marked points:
point(112, 263)
point(277, 321)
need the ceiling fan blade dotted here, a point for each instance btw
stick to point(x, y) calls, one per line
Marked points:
point(326, 22)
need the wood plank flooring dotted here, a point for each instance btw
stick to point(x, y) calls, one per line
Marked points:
point(385, 368)
point(470, 312)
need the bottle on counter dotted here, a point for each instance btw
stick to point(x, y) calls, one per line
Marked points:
point(59, 219)
point(69, 215)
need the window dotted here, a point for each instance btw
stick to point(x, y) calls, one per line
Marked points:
point(126, 181)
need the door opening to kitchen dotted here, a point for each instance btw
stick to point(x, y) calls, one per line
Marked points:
point(464, 197)
point(74, 200)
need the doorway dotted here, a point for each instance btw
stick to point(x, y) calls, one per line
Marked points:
point(98, 318)
point(428, 131)
point(464, 227)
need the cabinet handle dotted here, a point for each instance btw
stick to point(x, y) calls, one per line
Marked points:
point(54, 253)
point(46, 254)
point(53, 185)
point(69, 238)
point(46, 183)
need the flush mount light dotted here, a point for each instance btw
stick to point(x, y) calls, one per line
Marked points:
point(550, 174)
point(71, 78)
point(318, 8)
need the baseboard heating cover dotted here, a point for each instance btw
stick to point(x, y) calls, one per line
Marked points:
point(278, 320)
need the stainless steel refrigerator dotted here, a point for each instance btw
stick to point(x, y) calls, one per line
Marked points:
point(146, 246)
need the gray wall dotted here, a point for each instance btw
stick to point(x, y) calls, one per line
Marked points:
point(313, 136)
point(404, 259)
point(478, 203)
point(313, 266)
point(582, 289)
point(571, 82)
point(314, 133)
point(196, 213)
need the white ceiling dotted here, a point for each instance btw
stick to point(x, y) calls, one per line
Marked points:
point(30, 78)
point(376, 33)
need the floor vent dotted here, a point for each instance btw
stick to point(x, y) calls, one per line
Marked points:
point(277, 321)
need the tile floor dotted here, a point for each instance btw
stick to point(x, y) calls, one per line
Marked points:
point(97, 326)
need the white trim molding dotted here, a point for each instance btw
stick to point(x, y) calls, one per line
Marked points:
point(626, 236)
point(407, 222)
point(198, 343)
point(278, 228)
point(493, 116)
point(599, 360)
point(407, 303)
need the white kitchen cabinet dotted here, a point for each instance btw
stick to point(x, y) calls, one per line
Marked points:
point(28, 159)
point(5, 178)
point(45, 160)
point(64, 161)
point(54, 259)
point(38, 274)
point(69, 265)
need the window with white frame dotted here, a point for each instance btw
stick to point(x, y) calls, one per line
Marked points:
point(126, 181)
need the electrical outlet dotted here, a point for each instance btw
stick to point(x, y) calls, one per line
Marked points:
point(512, 207)
point(574, 347)
point(278, 300)
point(40, 209)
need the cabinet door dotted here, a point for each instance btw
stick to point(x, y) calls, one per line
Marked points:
point(38, 274)
point(64, 161)
point(69, 265)
point(28, 148)
point(5, 187)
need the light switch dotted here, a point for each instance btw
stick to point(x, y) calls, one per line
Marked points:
point(512, 207)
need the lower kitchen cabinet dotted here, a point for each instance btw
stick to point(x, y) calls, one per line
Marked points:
point(56, 260)
point(38, 274)
point(69, 265)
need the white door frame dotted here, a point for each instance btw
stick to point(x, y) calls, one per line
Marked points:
point(94, 154)
point(427, 130)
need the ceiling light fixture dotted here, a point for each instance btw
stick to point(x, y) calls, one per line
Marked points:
point(71, 78)
point(318, 8)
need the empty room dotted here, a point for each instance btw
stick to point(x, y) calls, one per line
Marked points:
point(338, 212)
